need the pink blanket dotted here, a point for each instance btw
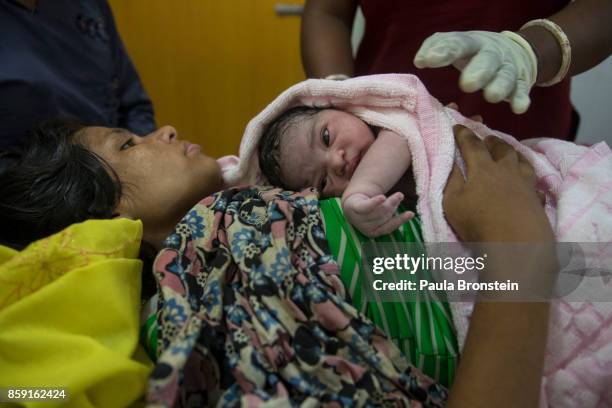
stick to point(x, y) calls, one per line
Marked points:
point(577, 181)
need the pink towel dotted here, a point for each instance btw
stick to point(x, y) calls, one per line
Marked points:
point(576, 179)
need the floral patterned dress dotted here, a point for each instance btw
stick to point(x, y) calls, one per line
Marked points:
point(252, 311)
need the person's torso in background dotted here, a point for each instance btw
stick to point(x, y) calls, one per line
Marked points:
point(395, 29)
point(55, 61)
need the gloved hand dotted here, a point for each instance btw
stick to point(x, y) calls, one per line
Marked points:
point(504, 64)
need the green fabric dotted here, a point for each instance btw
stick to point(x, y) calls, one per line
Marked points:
point(149, 328)
point(422, 330)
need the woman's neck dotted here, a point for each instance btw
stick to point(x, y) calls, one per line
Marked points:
point(156, 230)
point(157, 236)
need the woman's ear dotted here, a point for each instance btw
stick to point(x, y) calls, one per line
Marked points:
point(118, 215)
point(123, 209)
point(121, 212)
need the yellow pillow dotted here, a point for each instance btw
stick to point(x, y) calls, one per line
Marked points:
point(6, 254)
point(69, 315)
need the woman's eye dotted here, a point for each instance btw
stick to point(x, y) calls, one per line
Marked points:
point(325, 137)
point(127, 144)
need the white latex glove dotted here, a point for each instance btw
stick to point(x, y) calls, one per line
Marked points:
point(504, 64)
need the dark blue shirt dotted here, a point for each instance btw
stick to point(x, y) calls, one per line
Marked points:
point(65, 59)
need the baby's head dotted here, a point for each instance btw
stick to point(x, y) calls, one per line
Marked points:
point(311, 147)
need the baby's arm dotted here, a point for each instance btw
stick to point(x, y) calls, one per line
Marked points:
point(363, 201)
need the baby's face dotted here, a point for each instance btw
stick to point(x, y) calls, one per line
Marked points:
point(323, 151)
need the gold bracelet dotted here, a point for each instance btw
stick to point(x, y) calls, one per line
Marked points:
point(531, 54)
point(564, 45)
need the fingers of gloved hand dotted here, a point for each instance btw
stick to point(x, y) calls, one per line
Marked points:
point(393, 223)
point(480, 70)
point(442, 49)
point(519, 100)
point(502, 86)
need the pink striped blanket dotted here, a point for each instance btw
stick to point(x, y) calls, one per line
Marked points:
point(577, 181)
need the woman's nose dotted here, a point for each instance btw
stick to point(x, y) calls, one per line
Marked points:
point(165, 134)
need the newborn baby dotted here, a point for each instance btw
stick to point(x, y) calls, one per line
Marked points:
point(342, 156)
point(351, 148)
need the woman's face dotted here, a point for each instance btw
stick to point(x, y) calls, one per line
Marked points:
point(162, 177)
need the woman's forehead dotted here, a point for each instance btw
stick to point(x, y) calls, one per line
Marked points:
point(99, 135)
point(99, 138)
point(92, 135)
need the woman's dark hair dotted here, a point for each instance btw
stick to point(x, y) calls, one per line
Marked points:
point(269, 145)
point(53, 182)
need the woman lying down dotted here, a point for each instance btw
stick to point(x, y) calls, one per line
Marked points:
point(251, 307)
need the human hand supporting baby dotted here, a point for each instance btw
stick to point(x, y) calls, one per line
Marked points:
point(375, 216)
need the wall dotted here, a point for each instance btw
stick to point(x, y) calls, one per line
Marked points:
point(592, 97)
point(210, 66)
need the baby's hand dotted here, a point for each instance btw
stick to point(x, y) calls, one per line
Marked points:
point(375, 216)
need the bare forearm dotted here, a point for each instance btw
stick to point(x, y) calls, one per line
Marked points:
point(382, 166)
point(586, 23)
point(326, 37)
point(502, 361)
point(507, 339)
